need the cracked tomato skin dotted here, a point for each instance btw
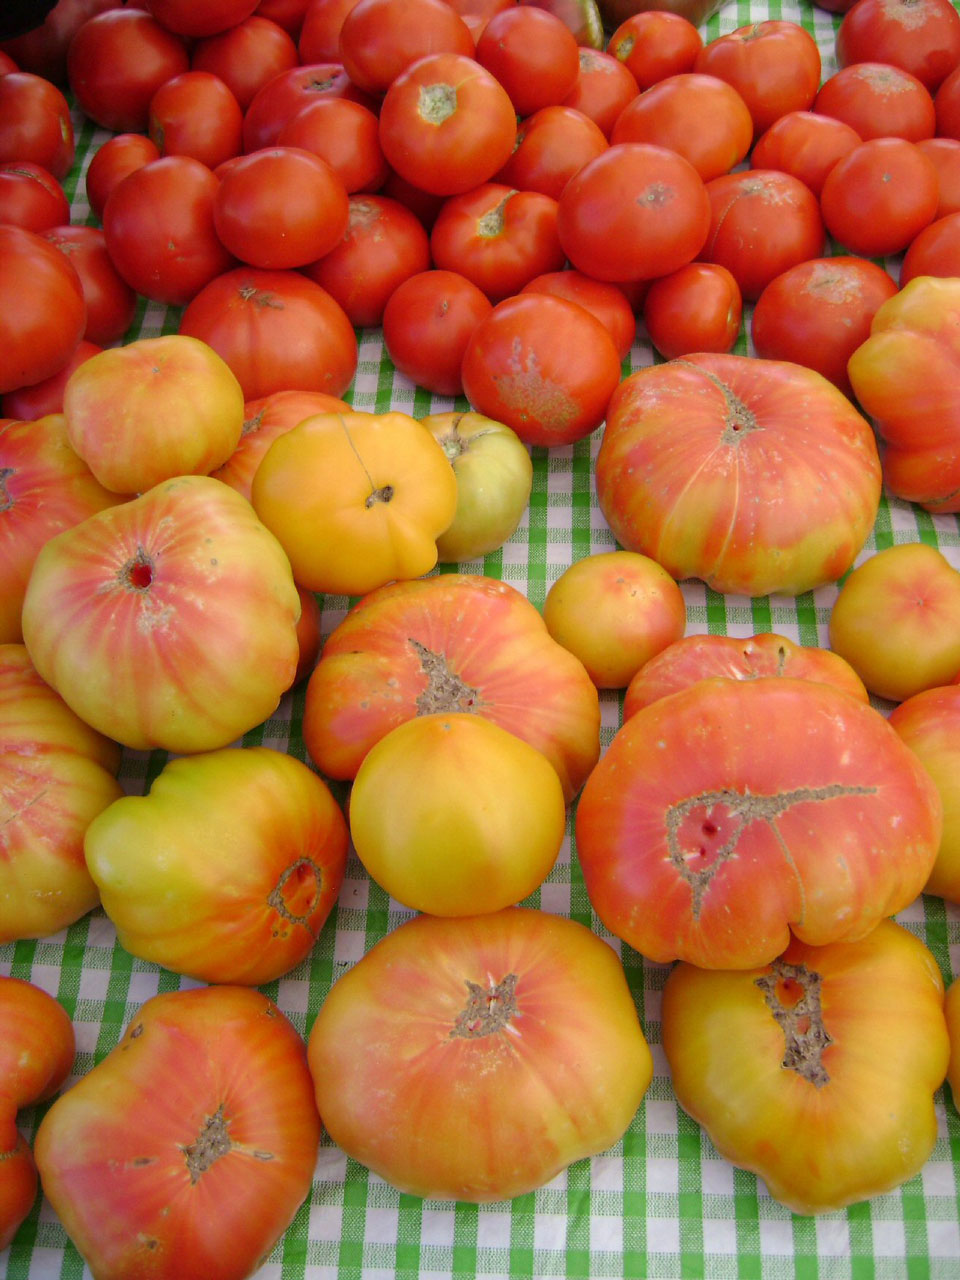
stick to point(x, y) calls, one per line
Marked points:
point(222, 1151)
point(710, 830)
point(817, 1072)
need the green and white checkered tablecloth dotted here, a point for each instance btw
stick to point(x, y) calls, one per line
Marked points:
point(662, 1203)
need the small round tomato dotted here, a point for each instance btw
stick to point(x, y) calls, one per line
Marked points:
point(195, 114)
point(42, 311)
point(805, 145)
point(381, 38)
point(427, 323)
point(654, 44)
point(279, 99)
point(532, 53)
point(608, 302)
point(346, 135)
point(246, 56)
point(552, 145)
point(111, 163)
point(919, 36)
point(697, 308)
point(602, 89)
point(31, 197)
point(110, 301)
point(935, 251)
point(879, 101)
point(880, 196)
point(35, 123)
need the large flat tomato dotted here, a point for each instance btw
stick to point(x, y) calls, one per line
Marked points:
point(818, 1071)
point(185, 1153)
point(754, 475)
point(474, 1059)
point(706, 833)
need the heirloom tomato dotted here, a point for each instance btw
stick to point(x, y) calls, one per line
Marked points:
point(952, 1011)
point(221, 1154)
point(42, 308)
point(773, 65)
point(454, 642)
point(227, 870)
point(754, 475)
point(707, 834)
point(906, 376)
point(168, 621)
point(56, 775)
point(817, 1072)
point(427, 323)
point(475, 1058)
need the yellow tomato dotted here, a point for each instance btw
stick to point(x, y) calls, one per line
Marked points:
point(356, 499)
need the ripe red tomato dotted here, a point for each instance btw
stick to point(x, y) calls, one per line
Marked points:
point(806, 145)
point(879, 101)
point(31, 197)
point(42, 311)
point(654, 44)
point(773, 65)
point(427, 323)
point(282, 97)
point(497, 237)
point(919, 36)
point(606, 301)
point(110, 301)
point(945, 154)
point(602, 89)
point(195, 114)
point(288, 14)
point(199, 18)
point(551, 146)
point(533, 54)
point(319, 39)
point(45, 397)
point(697, 308)
point(381, 38)
point(110, 163)
point(946, 106)
point(346, 135)
point(635, 212)
point(880, 196)
point(35, 123)
point(935, 251)
point(246, 56)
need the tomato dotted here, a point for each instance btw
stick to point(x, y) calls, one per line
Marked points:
point(42, 50)
point(446, 124)
point(194, 1204)
point(945, 154)
point(111, 163)
point(739, 835)
point(614, 610)
point(946, 106)
point(818, 312)
point(551, 146)
point(602, 89)
point(195, 114)
point(498, 237)
point(698, 116)
point(696, 308)
point(818, 1071)
point(773, 65)
point(199, 18)
point(701, 657)
point(246, 56)
point(279, 99)
point(183, 608)
point(115, 64)
point(754, 475)
point(919, 36)
point(935, 251)
point(879, 101)
point(319, 37)
point(18, 1177)
point(532, 53)
point(635, 212)
point(42, 310)
point(805, 145)
point(346, 135)
point(381, 38)
point(356, 499)
point(277, 330)
point(449, 1059)
point(762, 222)
point(427, 322)
point(880, 196)
point(543, 365)
point(35, 123)
point(382, 245)
point(288, 14)
point(608, 302)
point(951, 1010)
point(453, 642)
point(654, 44)
point(45, 397)
point(494, 476)
point(110, 301)
point(31, 197)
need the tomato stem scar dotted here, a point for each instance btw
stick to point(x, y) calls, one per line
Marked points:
point(488, 1009)
point(792, 993)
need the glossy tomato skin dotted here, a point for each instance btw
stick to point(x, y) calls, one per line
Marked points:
point(608, 302)
point(31, 197)
point(418, 998)
point(42, 309)
point(199, 18)
point(697, 308)
point(919, 36)
point(880, 196)
point(246, 56)
point(346, 135)
point(35, 123)
point(46, 397)
point(552, 144)
point(879, 101)
point(946, 105)
point(183, 1213)
point(118, 156)
point(934, 251)
point(806, 145)
point(817, 1071)
point(195, 114)
point(427, 323)
point(654, 44)
point(280, 98)
point(945, 154)
point(381, 38)
point(532, 53)
point(110, 301)
point(602, 89)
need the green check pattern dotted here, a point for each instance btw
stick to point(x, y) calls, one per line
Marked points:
point(662, 1202)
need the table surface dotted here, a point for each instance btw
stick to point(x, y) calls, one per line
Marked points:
point(662, 1202)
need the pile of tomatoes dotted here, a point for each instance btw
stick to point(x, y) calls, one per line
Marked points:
point(516, 201)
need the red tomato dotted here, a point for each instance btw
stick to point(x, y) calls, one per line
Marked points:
point(7, 64)
point(424, 204)
point(42, 311)
point(880, 196)
point(761, 222)
point(110, 163)
point(383, 245)
point(280, 207)
point(697, 308)
point(282, 97)
point(635, 212)
point(43, 49)
point(919, 36)
point(773, 65)
point(277, 331)
point(946, 106)
point(700, 117)
point(544, 366)
point(935, 251)
point(160, 231)
point(195, 114)
point(602, 89)
point(346, 135)
point(879, 101)
point(35, 123)
point(551, 146)
point(533, 54)
point(945, 154)
point(654, 44)
point(446, 124)
point(111, 302)
point(818, 312)
point(117, 61)
point(606, 301)
point(45, 397)
point(30, 196)
point(497, 237)
point(319, 39)
point(288, 14)
point(806, 145)
point(427, 323)
point(246, 56)
point(200, 17)
point(381, 38)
